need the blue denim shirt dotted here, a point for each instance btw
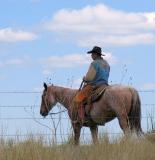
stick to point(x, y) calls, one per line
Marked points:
point(102, 69)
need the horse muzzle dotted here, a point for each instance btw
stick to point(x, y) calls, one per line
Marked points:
point(44, 114)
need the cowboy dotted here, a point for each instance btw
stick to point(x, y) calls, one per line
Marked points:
point(97, 75)
point(99, 69)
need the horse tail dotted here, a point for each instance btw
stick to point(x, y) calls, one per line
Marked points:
point(135, 112)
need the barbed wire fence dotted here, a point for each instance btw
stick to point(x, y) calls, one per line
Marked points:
point(58, 121)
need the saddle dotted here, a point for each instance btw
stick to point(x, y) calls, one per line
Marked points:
point(85, 98)
point(96, 94)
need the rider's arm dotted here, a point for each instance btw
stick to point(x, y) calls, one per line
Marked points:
point(90, 74)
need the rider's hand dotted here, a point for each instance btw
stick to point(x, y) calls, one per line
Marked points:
point(84, 78)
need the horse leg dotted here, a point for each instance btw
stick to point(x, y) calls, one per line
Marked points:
point(94, 133)
point(124, 123)
point(76, 129)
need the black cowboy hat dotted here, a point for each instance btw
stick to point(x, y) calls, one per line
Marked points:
point(97, 50)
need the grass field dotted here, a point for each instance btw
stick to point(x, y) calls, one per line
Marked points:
point(119, 149)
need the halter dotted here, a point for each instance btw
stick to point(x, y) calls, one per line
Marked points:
point(46, 106)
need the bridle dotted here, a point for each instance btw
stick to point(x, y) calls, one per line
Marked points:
point(45, 102)
point(47, 109)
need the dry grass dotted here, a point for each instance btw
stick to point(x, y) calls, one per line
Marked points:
point(120, 149)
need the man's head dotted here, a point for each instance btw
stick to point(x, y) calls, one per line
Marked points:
point(96, 52)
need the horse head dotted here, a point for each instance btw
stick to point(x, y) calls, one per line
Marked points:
point(48, 100)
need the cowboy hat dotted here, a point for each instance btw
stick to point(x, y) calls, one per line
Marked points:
point(97, 50)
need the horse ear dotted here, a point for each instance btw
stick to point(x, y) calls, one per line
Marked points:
point(45, 86)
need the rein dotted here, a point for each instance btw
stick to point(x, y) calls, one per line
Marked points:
point(65, 110)
point(48, 109)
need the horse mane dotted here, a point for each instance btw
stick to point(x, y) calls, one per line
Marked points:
point(63, 88)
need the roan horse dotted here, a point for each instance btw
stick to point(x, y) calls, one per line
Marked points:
point(118, 101)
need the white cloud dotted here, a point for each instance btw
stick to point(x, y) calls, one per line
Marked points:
point(103, 25)
point(149, 86)
point(67, 61)
point(46, 72)
point(111, 59)
point(70, 61)
point(24, 61)
point(15, 62)
point(11, 35)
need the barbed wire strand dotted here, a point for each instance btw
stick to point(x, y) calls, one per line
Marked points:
point(39, 92)
point(50, 134)
point(36, 106)
point(40, 118)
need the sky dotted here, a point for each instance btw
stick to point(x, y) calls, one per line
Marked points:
point(47, 41)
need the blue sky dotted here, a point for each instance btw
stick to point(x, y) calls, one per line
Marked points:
point(42, 40)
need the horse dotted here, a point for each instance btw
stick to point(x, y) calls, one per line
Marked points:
point(118, 101)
